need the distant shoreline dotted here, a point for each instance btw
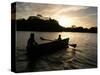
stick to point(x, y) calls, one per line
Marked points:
point(35, 23)
point(57, 31)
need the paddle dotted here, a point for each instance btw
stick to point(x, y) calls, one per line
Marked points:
point(72, 45)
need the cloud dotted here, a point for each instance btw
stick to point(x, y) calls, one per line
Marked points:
point(45, 9)
point(81, 14)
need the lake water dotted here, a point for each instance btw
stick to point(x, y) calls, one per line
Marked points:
point(83, 56)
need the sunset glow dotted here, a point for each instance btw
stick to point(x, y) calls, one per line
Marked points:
point(64, 21)
point(66, 15)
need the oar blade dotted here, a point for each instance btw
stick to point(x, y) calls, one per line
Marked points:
point(73, 45)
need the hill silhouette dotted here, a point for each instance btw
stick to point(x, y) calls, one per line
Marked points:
point(45, 24)
point(36, 23)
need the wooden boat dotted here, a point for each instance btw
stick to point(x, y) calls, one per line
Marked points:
point(57, 44)
point(47, 48)
point(53, 46)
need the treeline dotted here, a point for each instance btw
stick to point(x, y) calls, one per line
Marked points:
point(39, 23)
point(81, 29)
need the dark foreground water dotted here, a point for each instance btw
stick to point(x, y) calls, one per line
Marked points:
point(83, 56)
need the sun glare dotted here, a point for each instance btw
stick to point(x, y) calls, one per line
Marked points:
point(64, 21)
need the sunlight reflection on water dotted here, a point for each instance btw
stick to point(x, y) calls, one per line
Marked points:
point(85, 55)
